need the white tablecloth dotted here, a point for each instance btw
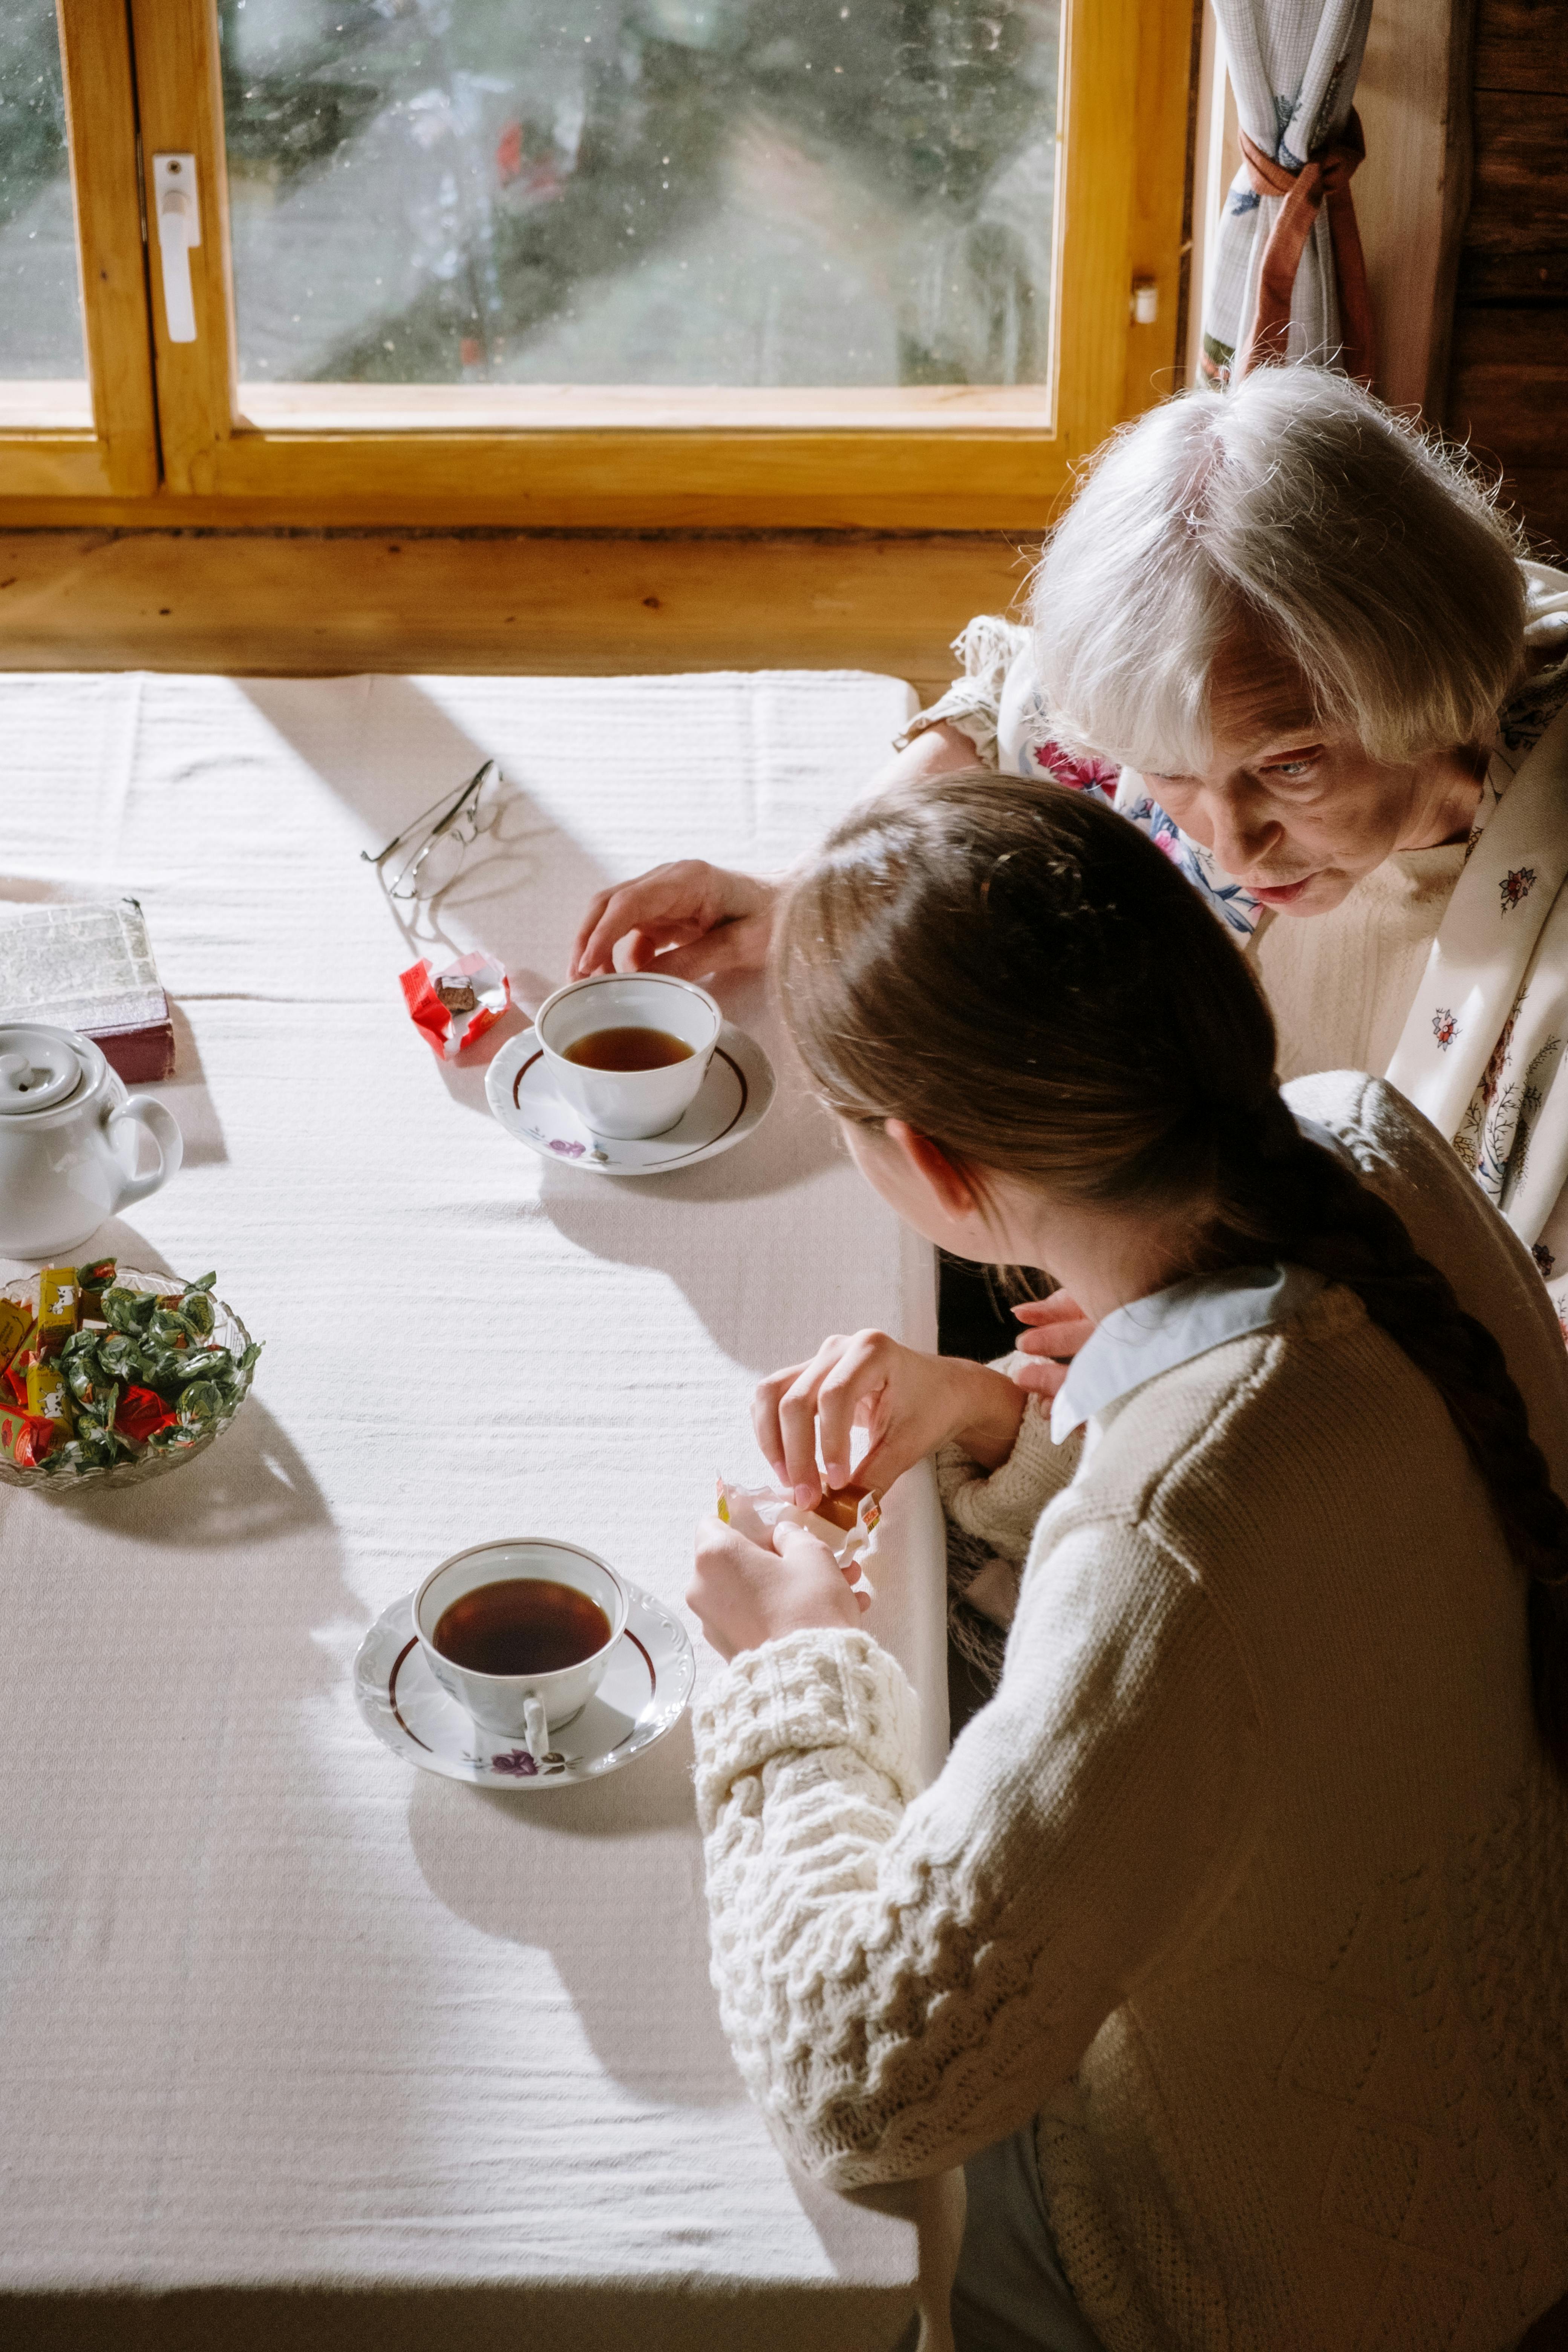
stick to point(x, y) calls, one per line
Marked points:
point(277, 2011)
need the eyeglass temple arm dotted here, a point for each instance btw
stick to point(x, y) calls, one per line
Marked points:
point(452, 811)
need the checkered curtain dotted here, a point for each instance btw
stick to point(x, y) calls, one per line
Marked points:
point(1293, 66)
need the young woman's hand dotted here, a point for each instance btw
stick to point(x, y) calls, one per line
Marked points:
point(1057, 1328)
point(694, 918)
point(746, 1595)
point(909, 1404)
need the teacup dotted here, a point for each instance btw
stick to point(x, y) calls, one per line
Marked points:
point(521, 1706)
point(629, 1103)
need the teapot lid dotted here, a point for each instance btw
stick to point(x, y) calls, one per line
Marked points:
point(38, 1068)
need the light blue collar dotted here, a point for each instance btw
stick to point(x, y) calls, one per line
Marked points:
point(1153, 1335)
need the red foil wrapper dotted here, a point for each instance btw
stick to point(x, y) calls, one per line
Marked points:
point(140, 1412)
point(35, 1441)
point(450, 1029)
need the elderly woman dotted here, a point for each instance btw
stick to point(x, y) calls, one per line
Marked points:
point(1293, 641)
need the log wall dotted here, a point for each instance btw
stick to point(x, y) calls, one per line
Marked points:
point(1508, 388)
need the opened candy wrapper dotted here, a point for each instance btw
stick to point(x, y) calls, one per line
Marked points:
point(845, 1520)
point(455, 1003)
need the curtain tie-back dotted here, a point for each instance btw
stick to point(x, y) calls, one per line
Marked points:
point(1324, 178)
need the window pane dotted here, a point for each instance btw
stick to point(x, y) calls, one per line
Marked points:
point(642, 192)
point(40, 288)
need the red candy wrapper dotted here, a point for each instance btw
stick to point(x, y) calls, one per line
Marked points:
point(25, 1437)
point(455, 1003)
point(140, 1412)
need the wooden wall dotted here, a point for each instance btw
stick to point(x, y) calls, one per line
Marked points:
point(1508, 391)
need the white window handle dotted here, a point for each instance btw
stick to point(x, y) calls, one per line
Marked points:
point(178, 231)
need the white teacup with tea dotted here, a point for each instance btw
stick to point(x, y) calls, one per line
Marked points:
point(630, 1050)
point(520, 1633)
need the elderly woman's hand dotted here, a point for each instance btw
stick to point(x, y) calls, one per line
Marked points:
point(695, 920)
point(1056, 1328)
point(746, 1595)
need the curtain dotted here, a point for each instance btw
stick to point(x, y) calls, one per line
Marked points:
point(1286, 281)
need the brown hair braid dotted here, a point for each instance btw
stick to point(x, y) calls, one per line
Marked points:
point(1018, 973)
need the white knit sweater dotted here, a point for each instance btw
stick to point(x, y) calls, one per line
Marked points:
point(1251, 1884)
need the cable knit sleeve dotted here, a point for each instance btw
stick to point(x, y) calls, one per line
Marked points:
point(1003, 1507)
point(988, 648)
point(904, 1978)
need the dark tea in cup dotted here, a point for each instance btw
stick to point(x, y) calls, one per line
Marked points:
point(521, 1625)
point(631, 1047)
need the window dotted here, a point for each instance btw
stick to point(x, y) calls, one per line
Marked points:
point(604, 263)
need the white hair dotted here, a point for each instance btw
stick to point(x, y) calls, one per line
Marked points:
point(1296, 511)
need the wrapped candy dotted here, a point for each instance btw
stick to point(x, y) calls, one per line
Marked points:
point(16, 1325)
point(845, 1520)
point(454, 1004)
point(147, 1376)
point(140, 1413)
point(58, 1308)
point(47, 1398)
point(24, 1439)
point(92, 1281)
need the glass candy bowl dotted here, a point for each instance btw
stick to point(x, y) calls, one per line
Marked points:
point(227, 1331)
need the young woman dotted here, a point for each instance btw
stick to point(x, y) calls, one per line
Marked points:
point(1227, 1947)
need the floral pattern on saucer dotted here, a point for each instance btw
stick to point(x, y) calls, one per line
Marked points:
point(734, 1100)
point(644, 1694)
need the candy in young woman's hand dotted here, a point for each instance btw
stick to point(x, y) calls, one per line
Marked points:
point(848, 1529)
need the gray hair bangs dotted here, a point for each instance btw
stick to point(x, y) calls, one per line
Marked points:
point(1296, 511)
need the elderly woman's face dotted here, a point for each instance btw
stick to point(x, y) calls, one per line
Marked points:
point(1296, 813)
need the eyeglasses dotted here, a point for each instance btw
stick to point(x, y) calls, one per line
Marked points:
point(434, 851)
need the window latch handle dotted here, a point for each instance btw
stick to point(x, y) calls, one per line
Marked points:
point(179, 221)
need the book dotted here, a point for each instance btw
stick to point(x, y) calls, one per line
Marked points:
point(89, 966)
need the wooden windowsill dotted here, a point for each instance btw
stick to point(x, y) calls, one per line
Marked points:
point(44, 404)
point(322, 603)
point(684, 408)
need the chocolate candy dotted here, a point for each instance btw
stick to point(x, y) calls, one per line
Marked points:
point(849, 1508)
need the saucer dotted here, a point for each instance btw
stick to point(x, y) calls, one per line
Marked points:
point(733, 1099)
point(646, 1684)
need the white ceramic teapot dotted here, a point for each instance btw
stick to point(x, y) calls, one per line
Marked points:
point(68, 1141)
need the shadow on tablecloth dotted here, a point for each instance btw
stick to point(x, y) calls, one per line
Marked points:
point(577, 1873)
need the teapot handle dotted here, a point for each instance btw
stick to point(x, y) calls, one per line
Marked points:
point(163, 1127)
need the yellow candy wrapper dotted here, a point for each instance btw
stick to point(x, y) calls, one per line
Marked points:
point(59, 1300)
point(47, 1398)
point(16, 1330)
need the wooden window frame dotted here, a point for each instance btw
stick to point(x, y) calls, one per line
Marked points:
point(117, 456)
point(172, 446)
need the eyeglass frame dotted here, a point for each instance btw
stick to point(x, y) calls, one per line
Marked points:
point(452, 812)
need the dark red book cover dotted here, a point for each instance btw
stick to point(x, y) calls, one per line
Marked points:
point(88, 965)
